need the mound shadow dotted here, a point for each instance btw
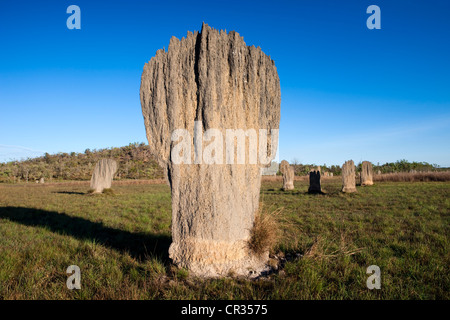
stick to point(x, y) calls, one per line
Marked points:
point(140, 246)
point(70, 192)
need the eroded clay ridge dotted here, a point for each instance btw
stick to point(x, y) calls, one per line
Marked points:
point(215, 78)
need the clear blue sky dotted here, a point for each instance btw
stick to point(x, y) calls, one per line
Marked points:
point(347, 92)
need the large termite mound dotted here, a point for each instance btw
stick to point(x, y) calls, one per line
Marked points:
point(204, 84)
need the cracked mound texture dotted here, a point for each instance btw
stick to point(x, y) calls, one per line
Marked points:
point(215, 78)
point(348, 177)
point(366, 174)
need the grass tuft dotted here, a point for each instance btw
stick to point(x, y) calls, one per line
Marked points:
point(265, 232)
point(109, 191)
point(323, 249)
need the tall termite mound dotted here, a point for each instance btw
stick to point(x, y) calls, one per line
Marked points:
point(288, 175)
point(348, 177)
point(103, 174)
point(366, 174)
point(207, 84)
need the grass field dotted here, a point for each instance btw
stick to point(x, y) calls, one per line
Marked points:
point(120, 243)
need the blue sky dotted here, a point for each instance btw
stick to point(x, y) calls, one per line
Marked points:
point(347, 92)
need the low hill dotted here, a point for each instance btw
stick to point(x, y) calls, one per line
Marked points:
point(135, 162)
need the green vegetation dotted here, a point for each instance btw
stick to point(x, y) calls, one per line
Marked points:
point(120, 242)
point(404, 166)
point(135, 162)
point(389, 167)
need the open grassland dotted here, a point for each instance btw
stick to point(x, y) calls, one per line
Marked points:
point(120, 241)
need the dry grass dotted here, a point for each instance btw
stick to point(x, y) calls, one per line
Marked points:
point(271, 178)
point(323, 249)
point(141, 181)
point(412, 177)
point(265, 232)
point(280, 178)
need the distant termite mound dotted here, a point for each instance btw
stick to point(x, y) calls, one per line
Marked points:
point(366, 174)
point(103, 175)
point(348, 177)
point(288, 175)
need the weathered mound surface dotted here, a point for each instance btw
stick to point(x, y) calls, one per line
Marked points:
point(216, 79)
point(288, 175)
point(366, 174)
point(348, 177)
point(103, 175)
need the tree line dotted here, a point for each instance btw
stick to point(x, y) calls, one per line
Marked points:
point(389, 167)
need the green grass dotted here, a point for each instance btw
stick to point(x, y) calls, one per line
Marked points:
point(120, 242)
